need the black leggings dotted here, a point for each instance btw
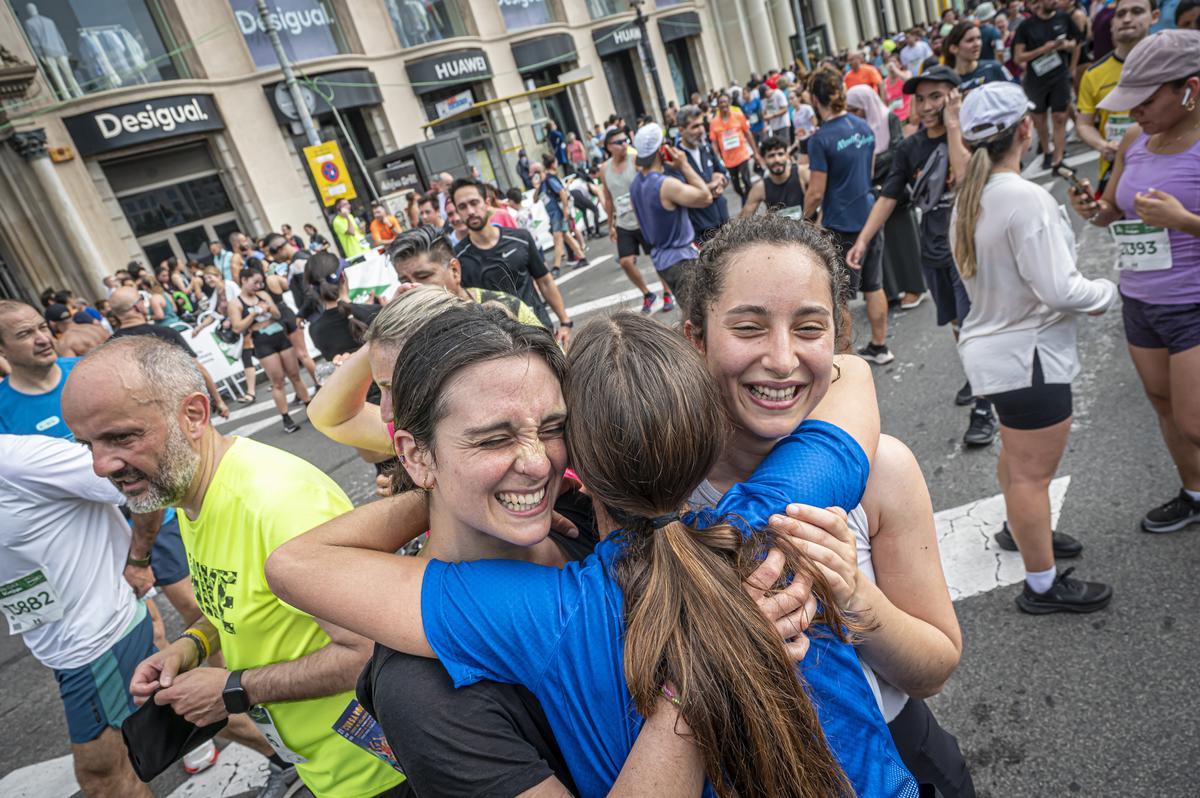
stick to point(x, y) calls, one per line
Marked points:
point(585, 204)
point(931, 753)
point(740, 177)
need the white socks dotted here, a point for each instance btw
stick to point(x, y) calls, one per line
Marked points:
point(1195, 494)
point(1041, 581)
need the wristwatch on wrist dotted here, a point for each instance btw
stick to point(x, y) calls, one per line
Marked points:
point(142, 563)
point(235, 697)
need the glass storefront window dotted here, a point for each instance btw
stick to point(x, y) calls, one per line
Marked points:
point(606, 8)
point(667, 3)
point(85, 46)
point(519, 14)
point(170, 206)
point(307, 29)
point(422, 21)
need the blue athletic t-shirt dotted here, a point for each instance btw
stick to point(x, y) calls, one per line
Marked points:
point(559, 632)
point(843, 149)
point(36, 414)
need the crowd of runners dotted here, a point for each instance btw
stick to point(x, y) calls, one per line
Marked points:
point(744, 559)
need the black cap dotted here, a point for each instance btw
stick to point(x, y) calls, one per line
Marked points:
point(939, 74)
point(57, 312)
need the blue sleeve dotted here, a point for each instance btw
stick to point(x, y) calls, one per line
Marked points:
point(495, 619)
point(816, 154)
point(818, 464)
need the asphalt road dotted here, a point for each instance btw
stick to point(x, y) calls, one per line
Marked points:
point(1095, 705)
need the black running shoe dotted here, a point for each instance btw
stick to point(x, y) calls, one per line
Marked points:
point(965, 395)
point(1172, 516)
point(289, 426)
point(1065, 595)
point(1065, 546)
point(1048, 161)
point(876, 353)
point(982, 430)
point(555, 271)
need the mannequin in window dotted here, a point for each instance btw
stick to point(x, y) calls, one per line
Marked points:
point(51, 50)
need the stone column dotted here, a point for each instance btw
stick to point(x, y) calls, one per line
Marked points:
point(845, 33)
point(31, 145)
point(757, 16)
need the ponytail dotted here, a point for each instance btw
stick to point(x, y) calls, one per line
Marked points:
point(970, 197)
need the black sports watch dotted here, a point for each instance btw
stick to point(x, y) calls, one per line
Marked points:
point(235, 697)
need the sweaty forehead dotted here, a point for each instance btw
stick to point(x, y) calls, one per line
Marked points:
point(519, 390)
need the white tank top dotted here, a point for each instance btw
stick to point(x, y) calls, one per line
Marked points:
point(891, 699)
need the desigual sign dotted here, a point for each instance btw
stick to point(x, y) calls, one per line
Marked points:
point(138, 123)
point(306, 30)
point(448, 69)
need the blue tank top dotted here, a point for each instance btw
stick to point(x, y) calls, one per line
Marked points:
point(669, 233)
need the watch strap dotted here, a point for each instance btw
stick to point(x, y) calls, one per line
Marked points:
point(142, 563)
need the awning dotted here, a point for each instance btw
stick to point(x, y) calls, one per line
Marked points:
point(480, 107)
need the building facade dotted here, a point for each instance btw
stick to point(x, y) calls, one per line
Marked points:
point(156, 126)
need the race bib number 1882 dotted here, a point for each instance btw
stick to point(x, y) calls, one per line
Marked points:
point(29, 602)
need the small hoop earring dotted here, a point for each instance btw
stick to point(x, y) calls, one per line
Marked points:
point(1191, 106)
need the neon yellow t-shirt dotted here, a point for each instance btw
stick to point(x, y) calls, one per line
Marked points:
point(1097, 82)
point(261, 497)
point(349, 233)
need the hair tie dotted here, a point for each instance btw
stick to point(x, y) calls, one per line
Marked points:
point(336, 277)
point(659, 521)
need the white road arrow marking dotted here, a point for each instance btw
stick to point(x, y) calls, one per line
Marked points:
point(970, 557)
point(55, 777)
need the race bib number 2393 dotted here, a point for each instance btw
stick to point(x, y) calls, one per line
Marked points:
point(1141, 248)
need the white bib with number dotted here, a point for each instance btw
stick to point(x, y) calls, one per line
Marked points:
point(1116, 126)
point(29, 602)
point(752, 119)
point(266, 724)
point(1045, 64)
point(1141, 248)
point(731, 140)
point(624, 204)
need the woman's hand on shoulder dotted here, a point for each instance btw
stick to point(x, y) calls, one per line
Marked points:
point(825, 538)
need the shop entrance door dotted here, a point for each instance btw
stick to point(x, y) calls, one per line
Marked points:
point(188, 242)
point(623, 84)
point(558, 106)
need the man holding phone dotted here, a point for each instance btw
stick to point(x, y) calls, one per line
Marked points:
point(661, 203)
point(1046, 46)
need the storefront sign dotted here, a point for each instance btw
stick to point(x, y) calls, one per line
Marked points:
point(448, 69)
point(679, 26)
point(329, 172)
point(397, 177)
point(452, 105)
point(305, 29)
point(350, 88)
point(615, 38)
point(138, 123)
point(537, 54)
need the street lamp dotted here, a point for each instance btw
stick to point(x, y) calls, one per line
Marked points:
point(648, 55)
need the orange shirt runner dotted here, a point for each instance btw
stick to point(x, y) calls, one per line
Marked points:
point(865, 75)
point(385, 231)
point(731, 138)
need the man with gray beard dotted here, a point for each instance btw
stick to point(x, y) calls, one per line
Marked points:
point(139, 404)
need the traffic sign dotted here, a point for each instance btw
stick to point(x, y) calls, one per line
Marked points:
point(329, 172)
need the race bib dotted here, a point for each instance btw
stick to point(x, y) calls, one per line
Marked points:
point(1141, 248)
point(1117, 126)
point(262, 719)
point(731, 140)
point(1045, 64)
point(29, 602)
point(795, 212)
point(624, 204)
point(752, 119)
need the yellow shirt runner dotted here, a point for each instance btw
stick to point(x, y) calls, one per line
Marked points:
point(1101, 78)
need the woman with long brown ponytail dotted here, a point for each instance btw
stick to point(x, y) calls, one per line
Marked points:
point(659, 612)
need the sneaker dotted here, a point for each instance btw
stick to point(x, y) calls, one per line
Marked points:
point(1172, 516)
point(289, 426)
point(982, 430)
point(1066, 595)
point(668, 303)
point(1048, 161)
point(1065, 546)
point(279, 781)
point(965, 395)
point(648, 302)
point(915, 303)
point(201, 758)
point(582, 263)
point(555, 271)
point(876, 353)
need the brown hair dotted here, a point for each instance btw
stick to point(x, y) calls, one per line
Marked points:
point(748, 711)
point(969, 203)
point(703, 284)
point(322, 275)
point(826, 87)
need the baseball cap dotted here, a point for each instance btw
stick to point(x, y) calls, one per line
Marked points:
point(984, 12)
point(57, 312)
point(646, 142)
point(939, 73)
point(991, 109)
point(1160, 58)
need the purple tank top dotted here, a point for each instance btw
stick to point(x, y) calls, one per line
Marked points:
point(669, 233)
point(1179, 176)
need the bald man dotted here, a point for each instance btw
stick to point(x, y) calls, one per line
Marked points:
point(128, 306)
point(139, 405)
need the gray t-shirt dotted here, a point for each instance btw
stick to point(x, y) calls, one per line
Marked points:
point(618, 182)
point(777, 101)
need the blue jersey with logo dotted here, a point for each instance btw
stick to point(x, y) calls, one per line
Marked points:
point(36, 414)
point(844, 148)
point(560, 632)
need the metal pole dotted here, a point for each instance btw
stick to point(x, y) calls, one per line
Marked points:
point(801, 33)
point(345, 133)
point(289, 77)
point(648, 54)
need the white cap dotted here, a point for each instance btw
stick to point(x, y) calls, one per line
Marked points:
point(992, 108)
point(646, 142)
